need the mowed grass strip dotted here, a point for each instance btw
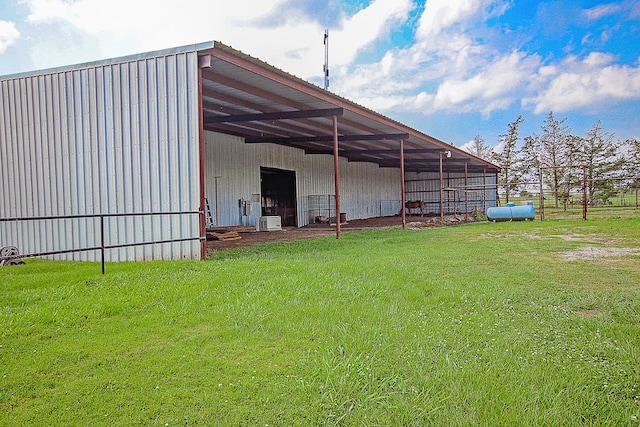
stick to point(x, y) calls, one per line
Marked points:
point(490, 324)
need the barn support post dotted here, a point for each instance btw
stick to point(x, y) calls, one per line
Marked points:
point(495, 176)
point(466, 192)
point(336, 174)
point(441, 191)
point(402, 186)
point(102, 243)
point(484, 190)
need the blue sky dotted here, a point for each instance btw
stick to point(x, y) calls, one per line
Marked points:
point(450, 68)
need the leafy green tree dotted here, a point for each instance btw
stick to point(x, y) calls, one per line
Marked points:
point(507, 158)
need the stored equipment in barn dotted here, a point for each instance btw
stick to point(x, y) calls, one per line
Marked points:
point(270, 223)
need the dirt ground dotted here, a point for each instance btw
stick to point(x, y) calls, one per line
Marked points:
point(251, 238)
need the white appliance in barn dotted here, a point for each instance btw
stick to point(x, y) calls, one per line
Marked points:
point(270, 223)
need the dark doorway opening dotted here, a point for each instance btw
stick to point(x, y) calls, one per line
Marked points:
point(278, 189)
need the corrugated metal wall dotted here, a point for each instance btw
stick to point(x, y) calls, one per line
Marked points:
point(112, 138)
point(233, 167)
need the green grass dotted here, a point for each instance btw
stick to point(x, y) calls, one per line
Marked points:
point(481, 324)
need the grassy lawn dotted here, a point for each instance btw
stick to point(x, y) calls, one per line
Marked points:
point(530, 323)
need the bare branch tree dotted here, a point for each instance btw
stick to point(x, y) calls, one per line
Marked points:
point(598, 153)
point(529, 158)
point(479, 148)
point(553, 146)
point(507, 158)
point(631, 164)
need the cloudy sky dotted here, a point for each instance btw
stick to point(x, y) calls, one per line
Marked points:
point(450, 68)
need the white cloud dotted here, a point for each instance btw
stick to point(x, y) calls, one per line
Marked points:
point(587, 38)
point(496, 87)
point(295, 45)
point(596, 59)
point(445, 70)
point(406, 79)
point(377, 85)
point(460, 77)
point(9, 34)
point(366, 26)
point(439, 15)
point(585, 84)
point(124, 26)
point(468, 146)
point(131, 17)
point(600, 11)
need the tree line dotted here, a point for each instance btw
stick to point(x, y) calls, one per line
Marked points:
point(560, 160)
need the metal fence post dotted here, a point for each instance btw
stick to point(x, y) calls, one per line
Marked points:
point(102, 241)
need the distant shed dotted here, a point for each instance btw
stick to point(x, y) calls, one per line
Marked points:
point(166, 142)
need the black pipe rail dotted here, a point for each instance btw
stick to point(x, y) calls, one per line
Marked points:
point(102, 248)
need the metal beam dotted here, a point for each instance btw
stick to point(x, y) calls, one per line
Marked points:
point(329, 138)
point(317, 151)
point(279, 115)
point(432, 168)
point(394, 151)
point(411, 162)
point(259, 129)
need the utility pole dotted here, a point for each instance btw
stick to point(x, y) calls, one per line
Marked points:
point(326, 59)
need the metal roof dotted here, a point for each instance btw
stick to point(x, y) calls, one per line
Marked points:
point(246, 97)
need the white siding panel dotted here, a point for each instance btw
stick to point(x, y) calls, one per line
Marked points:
point(109, 139)
point(235, 166)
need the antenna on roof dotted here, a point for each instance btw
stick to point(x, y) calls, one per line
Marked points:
point(326, 59)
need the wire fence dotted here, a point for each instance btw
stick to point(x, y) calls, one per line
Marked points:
point(615, 203)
